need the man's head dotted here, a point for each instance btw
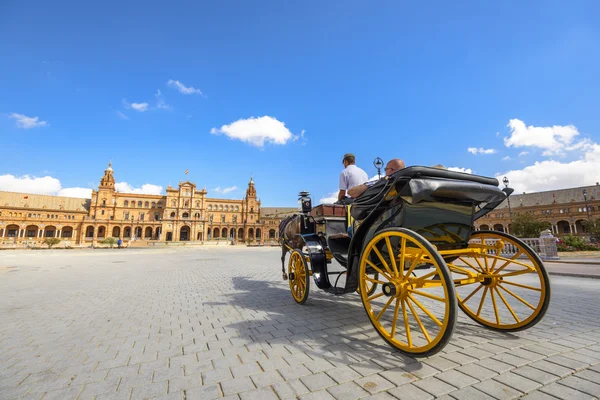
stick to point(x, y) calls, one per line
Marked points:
point(348, 159)
point(439, 166)
point(394, 165)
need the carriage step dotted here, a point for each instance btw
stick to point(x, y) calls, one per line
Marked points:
point(336, 291)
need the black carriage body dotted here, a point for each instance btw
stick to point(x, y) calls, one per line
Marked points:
point(439, 205)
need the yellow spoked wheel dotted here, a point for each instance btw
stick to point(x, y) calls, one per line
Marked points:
point(501, 282)
point(415, 310)
point(298, 277)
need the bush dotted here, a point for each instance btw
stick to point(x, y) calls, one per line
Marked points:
point(577, 243)
point(51, 242)
point(110, 241)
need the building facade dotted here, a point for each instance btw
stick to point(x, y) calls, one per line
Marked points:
point(566, 210)
point(184, 214)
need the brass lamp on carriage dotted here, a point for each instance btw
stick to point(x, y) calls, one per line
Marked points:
point(414, 259)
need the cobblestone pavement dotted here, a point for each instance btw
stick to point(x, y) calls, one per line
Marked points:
point(209, 323)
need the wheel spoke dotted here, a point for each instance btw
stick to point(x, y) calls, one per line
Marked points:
point(395, 320)
point(428, 275)
point(384, 308)
point(429, 295)
point(389, 278)
point(472, 293)
point(482, 300)
point(385, 264)
point(375, 296)
point(511, 260)
point(507, 305)
point(516, 297)
point(406, 327)
point(470, 265)
point(495, 306)
point(391, 255)
point(414, 313)
point(414, 264)
point(522, 286)
point(374, 280)
point(515, 273)
point(402, 255)
point(425, 310)
point(479, 263)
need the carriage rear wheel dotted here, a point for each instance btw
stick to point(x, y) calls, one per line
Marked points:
point(298, 277)
point(516, 286)
point(415, 311)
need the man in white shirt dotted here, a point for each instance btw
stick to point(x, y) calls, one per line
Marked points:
point(351, 176)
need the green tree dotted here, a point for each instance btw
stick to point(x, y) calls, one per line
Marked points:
point(51, 241)
point(527, 225)
point(110, 240)
point(593, 228)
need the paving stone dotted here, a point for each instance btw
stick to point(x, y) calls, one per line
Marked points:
point(290, 389)
point(295, 371)
point(582, 385)
point(564, 392)
point(398, 376)
point(347, 391)
point(236, 385)
point(517, 382)
point(552, 368)
point(374, 383)
point(410, 392)
point(245, 370)
point(434, 386)
point(496, 389)
point(456, 378)
point(470, 393)
point(320, 395)
point(317, 381)
point(263, 393)
point(151, 390)
point(216, 375)
point(266, 378)
point(536, 375)
point(537, 395)
point(208, 392)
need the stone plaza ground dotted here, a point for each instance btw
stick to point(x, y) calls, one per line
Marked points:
point(204, 323)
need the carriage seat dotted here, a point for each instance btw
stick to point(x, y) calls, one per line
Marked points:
point(329, 210)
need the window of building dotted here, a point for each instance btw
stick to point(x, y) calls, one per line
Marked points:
point(235, 219)
point(221, 207)
point(139, 204)
point(103, 203)
point(160, 204)
point(210, 207)
point(226, 208)
point(172, 215)
point(222, 217)
point(153, 205)
point(210, 218)
point(173, 203)
point(146, 204)
point(197, 204)
point(29, 215)
point(186, 215)
point(126, 215)
point(112, 218)
point(141, 216)
point(187, 203)
point(237, 208)
point(102, 212)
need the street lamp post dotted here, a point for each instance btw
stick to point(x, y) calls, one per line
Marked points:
point(378, 163)
point(131, 233)
point(505, 181)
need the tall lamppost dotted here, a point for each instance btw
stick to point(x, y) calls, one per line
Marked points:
point(131, 233)
point(378, 163)
point(505, 181)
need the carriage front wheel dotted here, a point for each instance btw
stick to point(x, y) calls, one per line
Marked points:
point(415, 309)
point(298, 277)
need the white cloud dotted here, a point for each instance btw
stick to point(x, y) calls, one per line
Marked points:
point(225, 190)
point(141, 107)
point(552, 139)
point(257, 131)
point(332, 198)
point(121, 115)
point(82, 193)
point(480, 150)
point(523, 153)
point(182, 88)
point(160, 101)
point(40, 185)
point(506, 158)
point(26, 122)
point(460, 169)
point(146, 188)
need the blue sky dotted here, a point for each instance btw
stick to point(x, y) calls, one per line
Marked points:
point(423, 83)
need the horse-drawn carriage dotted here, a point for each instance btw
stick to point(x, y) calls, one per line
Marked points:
point(415, 256)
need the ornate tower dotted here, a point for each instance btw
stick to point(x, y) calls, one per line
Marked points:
point(251, 205)
point(108, 180)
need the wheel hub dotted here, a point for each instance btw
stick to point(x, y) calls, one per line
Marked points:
point(292, 276)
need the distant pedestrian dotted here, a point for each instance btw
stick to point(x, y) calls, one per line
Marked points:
point(119, 242)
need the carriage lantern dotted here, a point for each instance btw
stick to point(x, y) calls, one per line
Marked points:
point(304, 202)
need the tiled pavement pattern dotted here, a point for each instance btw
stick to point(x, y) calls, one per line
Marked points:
point(220, 323)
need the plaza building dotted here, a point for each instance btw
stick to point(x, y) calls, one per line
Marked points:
point(565, 209)
point(183, 214)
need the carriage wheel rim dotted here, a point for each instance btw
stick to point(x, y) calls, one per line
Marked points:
point(498, 289)
point(408, 300)
point(297, 270)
